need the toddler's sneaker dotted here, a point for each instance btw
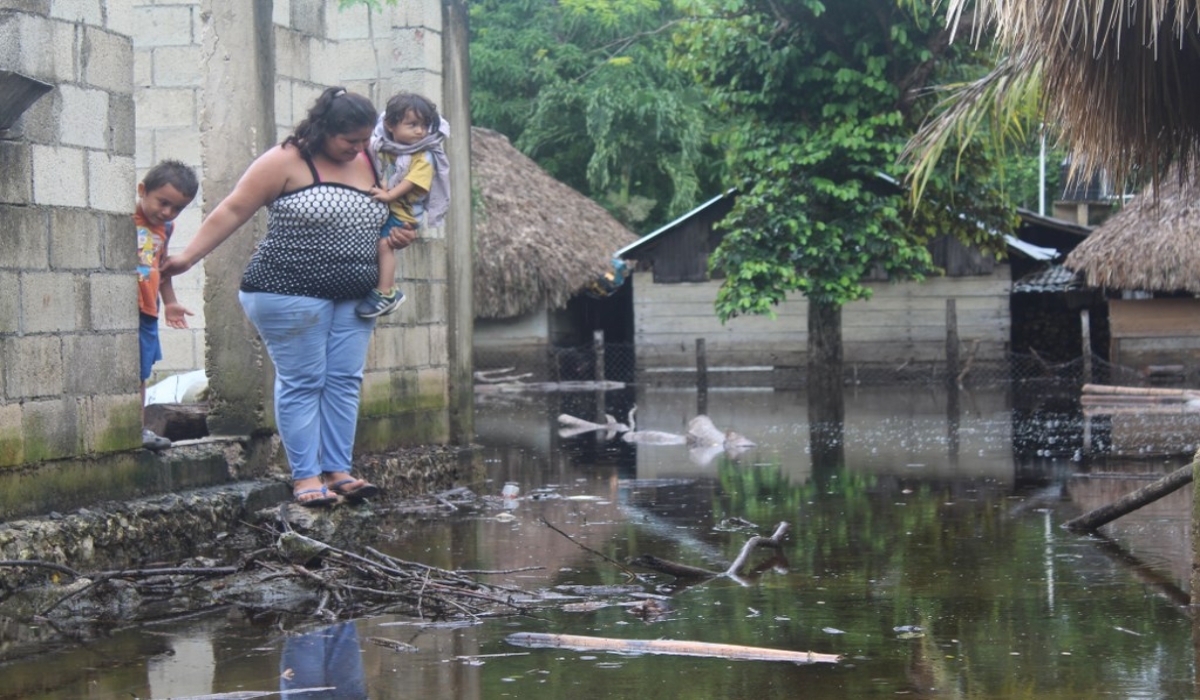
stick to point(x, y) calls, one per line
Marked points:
point(378, 304)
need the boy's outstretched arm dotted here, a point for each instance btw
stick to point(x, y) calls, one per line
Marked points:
point(174, 313)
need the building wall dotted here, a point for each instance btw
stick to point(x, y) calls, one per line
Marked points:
point(1149, 332)
point(68, 323)
point(902, 322)
point(68, 320)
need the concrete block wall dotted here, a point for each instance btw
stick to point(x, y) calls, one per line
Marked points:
point(68, 335)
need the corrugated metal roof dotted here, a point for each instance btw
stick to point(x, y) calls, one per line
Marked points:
point(1054, 278)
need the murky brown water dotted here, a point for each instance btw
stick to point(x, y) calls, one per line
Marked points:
point(926, 550)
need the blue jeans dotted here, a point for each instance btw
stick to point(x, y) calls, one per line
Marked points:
point(328, 657)
point(319, 348)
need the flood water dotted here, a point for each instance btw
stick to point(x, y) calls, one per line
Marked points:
point(925, 549)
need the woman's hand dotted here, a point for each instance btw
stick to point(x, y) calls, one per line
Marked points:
point(174, 265)
point(401, 236)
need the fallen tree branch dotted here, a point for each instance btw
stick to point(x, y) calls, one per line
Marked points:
point(1149, 493)
point(685, 571)
point(588, 549)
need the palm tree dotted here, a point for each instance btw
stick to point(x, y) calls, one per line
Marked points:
point(1113, 77)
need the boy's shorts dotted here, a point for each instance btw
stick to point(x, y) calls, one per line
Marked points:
point(395, 221)
point(148, 345)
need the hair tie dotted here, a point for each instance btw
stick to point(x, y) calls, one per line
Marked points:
point(339, 93)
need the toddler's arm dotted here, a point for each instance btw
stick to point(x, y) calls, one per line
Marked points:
point(174, 313)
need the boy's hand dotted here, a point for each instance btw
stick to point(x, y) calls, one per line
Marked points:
point(383, 195)
point(176, 315)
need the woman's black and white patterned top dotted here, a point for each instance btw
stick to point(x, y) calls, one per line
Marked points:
point(321, 242)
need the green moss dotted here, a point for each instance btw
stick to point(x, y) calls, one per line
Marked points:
point(123, 431)
point(380, 434)
point(12, 451)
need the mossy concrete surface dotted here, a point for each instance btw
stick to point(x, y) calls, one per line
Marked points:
point(167, 507)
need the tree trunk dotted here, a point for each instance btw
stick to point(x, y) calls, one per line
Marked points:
point(826, 405)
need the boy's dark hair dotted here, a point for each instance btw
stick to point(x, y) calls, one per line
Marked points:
point(335, 112)
point(402, 102)
point(173, 173)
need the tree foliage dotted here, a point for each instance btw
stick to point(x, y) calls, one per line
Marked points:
point(583, 87)
point(821, 98)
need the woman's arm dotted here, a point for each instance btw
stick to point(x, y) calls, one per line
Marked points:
point(263, 181)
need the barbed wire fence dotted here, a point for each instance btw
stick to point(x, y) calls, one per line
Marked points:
point(619, 362)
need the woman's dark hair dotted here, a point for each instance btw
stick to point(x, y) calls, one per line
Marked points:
point(402, 102)
point(335, 112)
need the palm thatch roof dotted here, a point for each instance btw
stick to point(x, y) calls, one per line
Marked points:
point(1152, 244)
point(1117, 77)
point(537, 241)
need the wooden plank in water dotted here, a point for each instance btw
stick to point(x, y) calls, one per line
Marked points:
point(666, 646)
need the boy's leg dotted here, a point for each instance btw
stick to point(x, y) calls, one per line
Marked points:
point(387, 267)
point(149, 351)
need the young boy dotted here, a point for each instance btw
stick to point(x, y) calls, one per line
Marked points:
point(406, 149)
point(165, 191)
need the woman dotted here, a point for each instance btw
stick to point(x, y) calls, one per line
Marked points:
point(300, 288)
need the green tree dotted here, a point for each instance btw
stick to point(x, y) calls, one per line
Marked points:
point(821, 99)
point(584, 88)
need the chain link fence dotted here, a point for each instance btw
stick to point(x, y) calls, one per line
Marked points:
point(618, 362)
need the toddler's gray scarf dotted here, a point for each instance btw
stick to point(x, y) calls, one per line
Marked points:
point(438, 201)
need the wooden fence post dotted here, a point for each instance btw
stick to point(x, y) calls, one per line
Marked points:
point(951, 343)
point(1085, 327)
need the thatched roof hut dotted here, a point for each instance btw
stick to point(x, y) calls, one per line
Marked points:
point(1117, 77)
point(537, 241)
point(1152, 244)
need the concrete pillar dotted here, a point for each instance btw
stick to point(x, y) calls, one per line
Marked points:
point(236, 125)
point(460, 244)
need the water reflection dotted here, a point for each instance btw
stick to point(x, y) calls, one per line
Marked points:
point(927, 551)
point(325, 664)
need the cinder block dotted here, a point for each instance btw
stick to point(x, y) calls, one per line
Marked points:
point(51, 429)
point(164, 25)
point(386, 348)
point(12, 435)
point(165, 107)
point(119, 18)
point(143, 68)
point(48, 302)
point(303, 97)
point(433, 383)
point(16, 187)
point(415, 348)
point(179, 349)
point(357, 61)
point(100, 363)
point(111, 184)
point(107, 60)
point(177, 66)
point(355, 22)
point(417, 48)
point(283, 105)
point(110, 423)
point(119, 241)
point(182, 144)
point(291, 54)
point(416, 79)
point(35, 7)
point(86, 11)
point(32, 366)
point(83, 120)
point(143, 147)
point(113, 301)
point(10, 307)
point(59, 176)
point(24, 238)
point(75, 239)
point(414, 15)
point(323, 63)
point(281, 12)
point(309, 17)
point(122, 129)
point(438, 353)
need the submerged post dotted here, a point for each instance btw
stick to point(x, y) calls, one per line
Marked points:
point(1085, 328)
point(701, 377)
point(951, 343)
point(598, 346)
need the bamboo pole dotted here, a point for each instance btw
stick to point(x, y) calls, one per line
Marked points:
point(1149, 493)
point(666, 646)
point(1105, 389)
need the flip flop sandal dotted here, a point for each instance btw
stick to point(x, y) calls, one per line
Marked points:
point(364, 491)
point(325, 500)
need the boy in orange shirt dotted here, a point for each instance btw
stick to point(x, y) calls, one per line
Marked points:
point(163, 193)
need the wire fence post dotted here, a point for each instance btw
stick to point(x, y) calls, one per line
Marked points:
point(701, 377)
point(598, 348)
